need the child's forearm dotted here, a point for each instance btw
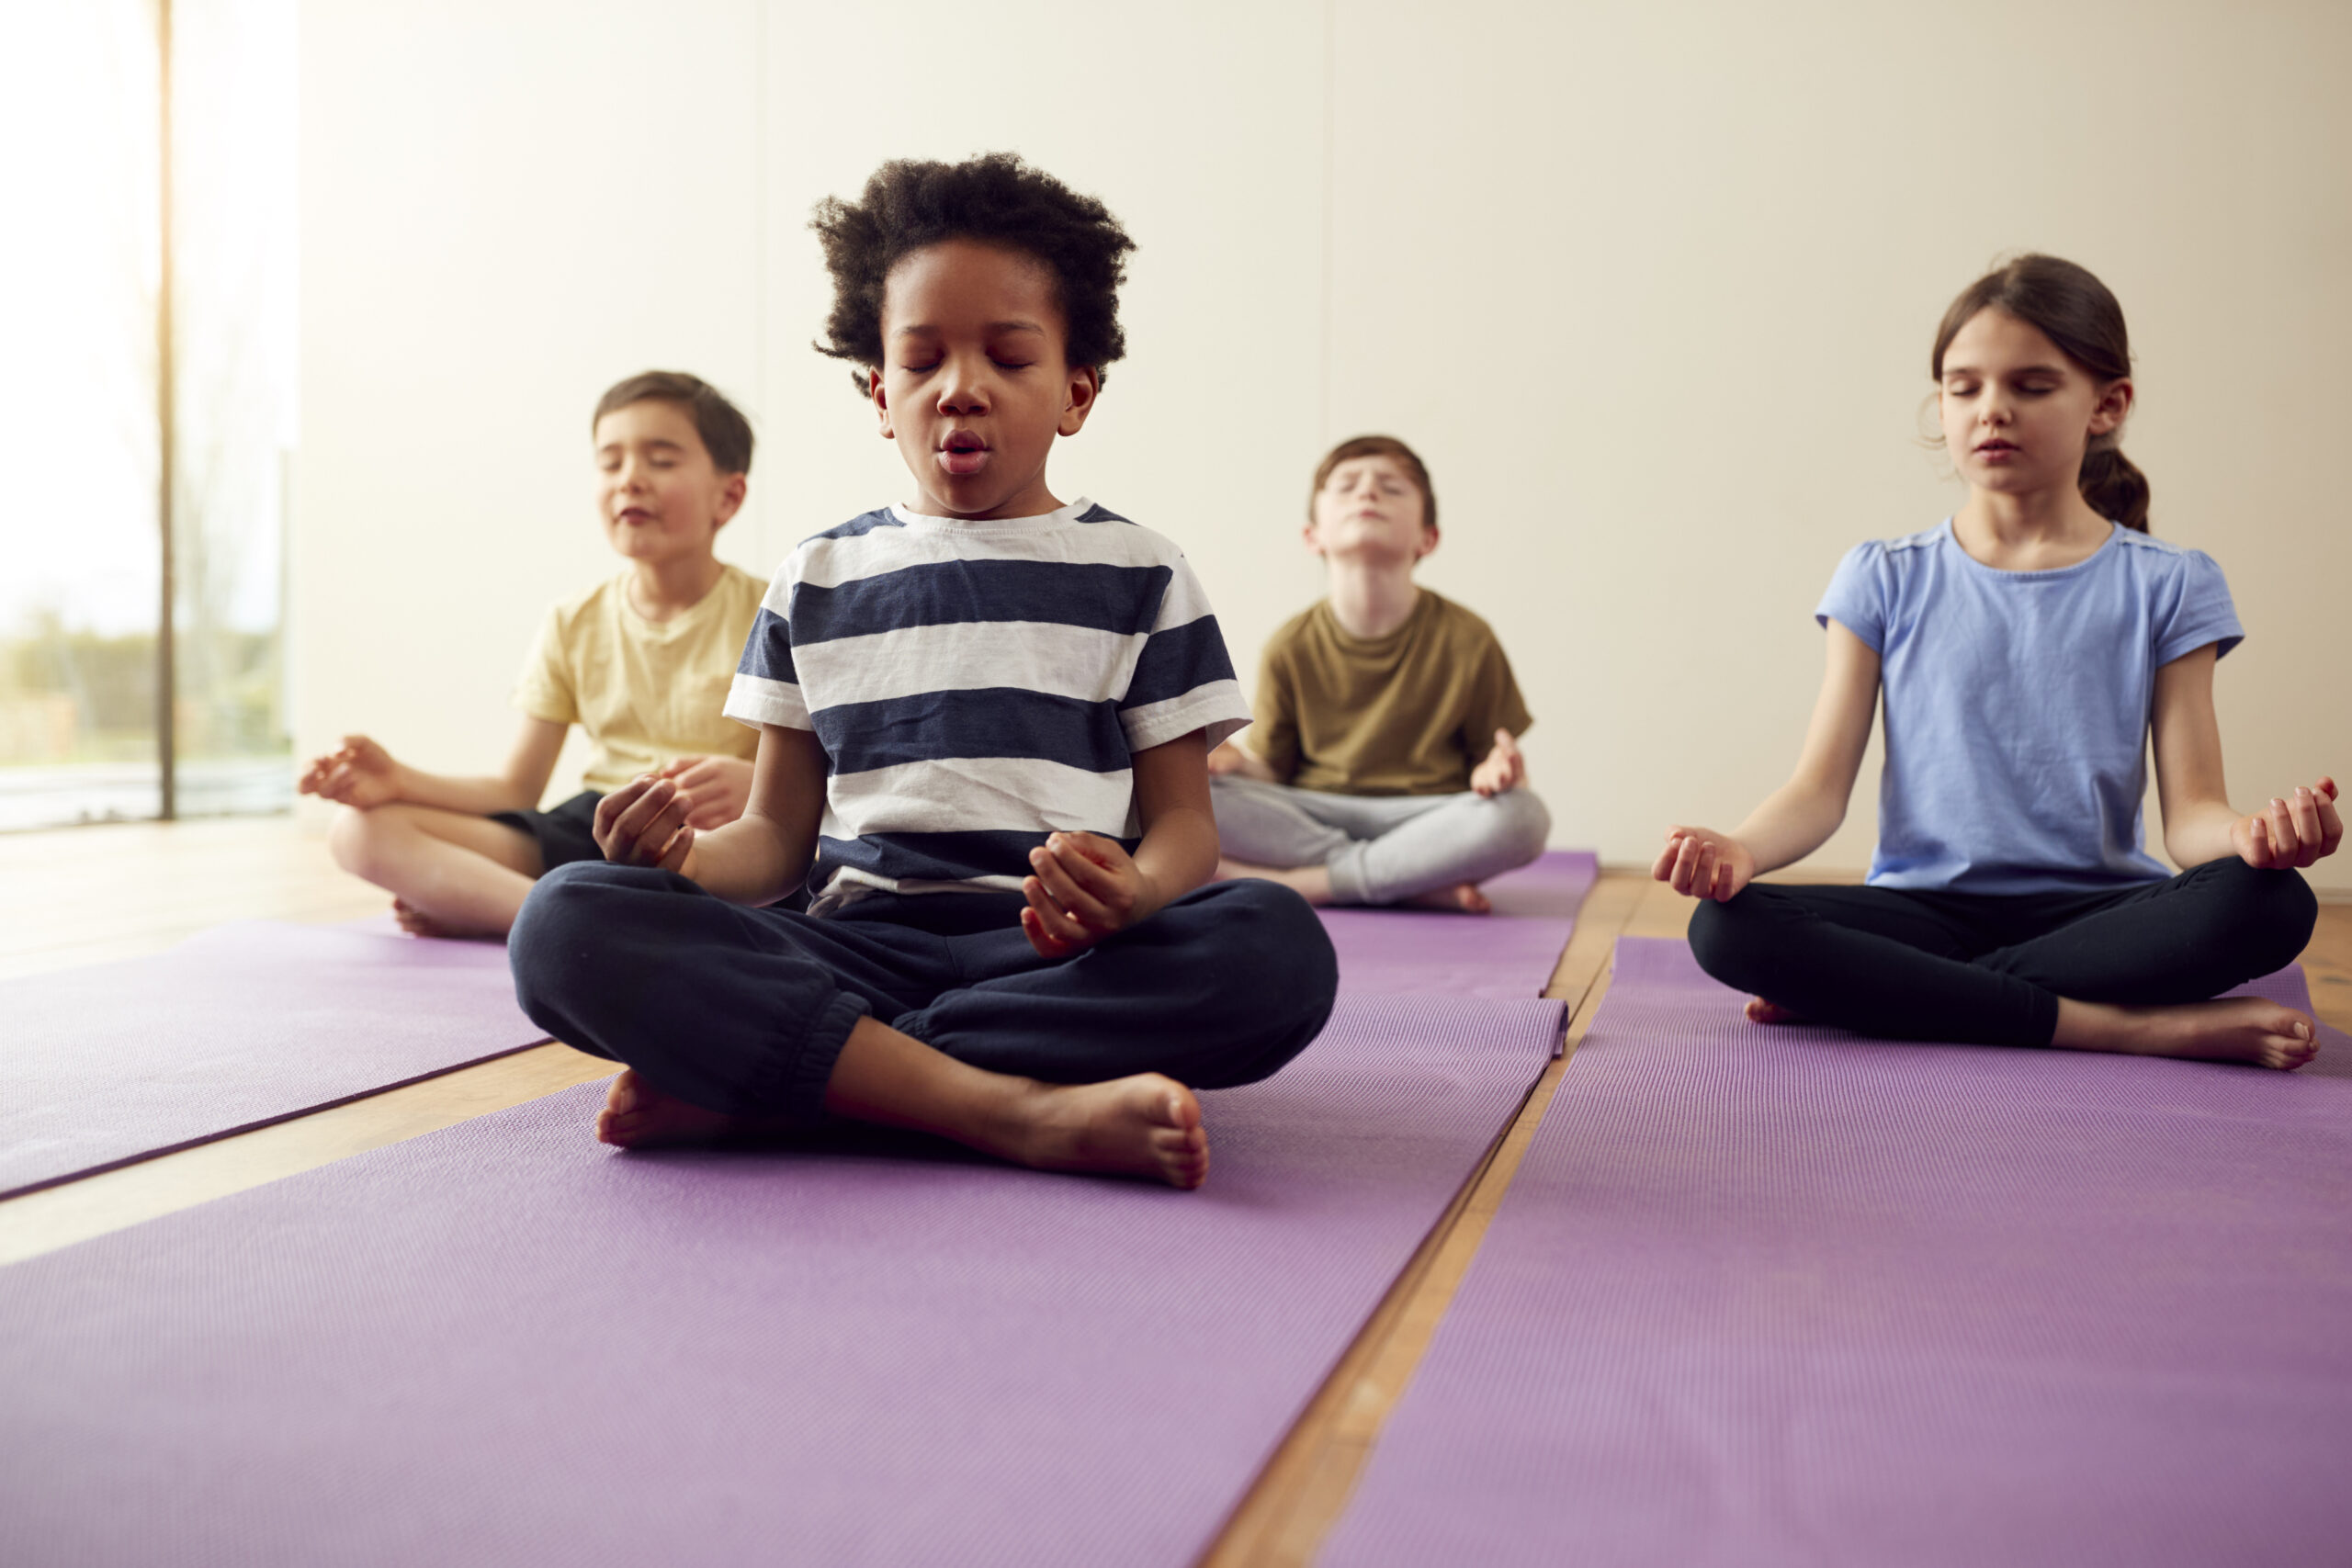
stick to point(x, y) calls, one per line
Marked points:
point(474, 796)
point(1177, 855)
point(1794, 821)
point(749, 861)
point(2197, 833)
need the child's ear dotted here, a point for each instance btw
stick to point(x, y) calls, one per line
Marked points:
point(731, 490)
point(1085, 386)
point(1429, 540)
point(881, 401)
point(2113, 408)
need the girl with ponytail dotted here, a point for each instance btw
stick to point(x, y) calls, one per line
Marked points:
point(2028, 648)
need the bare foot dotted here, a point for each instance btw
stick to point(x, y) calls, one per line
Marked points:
point(1462, 897)
point(1311, 883)
point(1761, 1011)
point(2252, 1030)
point(637, 1115)
point(1146, 1125)
point(416, 922)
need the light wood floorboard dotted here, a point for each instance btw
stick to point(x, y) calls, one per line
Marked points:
point(85, 895)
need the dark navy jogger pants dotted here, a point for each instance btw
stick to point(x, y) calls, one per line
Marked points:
point(1988, 969)
point(745, 1011)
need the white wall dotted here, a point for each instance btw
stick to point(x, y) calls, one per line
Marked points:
point(492, 234)
point(1651, 287)
point(1206, 140)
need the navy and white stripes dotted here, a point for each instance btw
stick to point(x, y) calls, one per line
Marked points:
point(977, 686)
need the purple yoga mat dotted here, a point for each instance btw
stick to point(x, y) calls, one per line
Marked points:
point(1781, 1296)
point(252, 1024)
point(1511, 952)
point(501, 1343)
point(235, 1028)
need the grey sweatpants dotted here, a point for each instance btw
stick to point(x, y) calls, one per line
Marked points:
point(1379, 848)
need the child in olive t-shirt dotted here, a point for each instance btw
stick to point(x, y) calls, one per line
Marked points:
point(1383, 768)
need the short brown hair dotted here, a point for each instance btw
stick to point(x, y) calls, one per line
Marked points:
point(1377, 447)
point(726, 433)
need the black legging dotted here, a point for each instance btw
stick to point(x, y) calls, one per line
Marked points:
point(1988, 969)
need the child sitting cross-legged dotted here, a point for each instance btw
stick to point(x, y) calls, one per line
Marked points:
point(1385, 767)
point(983, 720)
point(2030, 654)
point(641, 661)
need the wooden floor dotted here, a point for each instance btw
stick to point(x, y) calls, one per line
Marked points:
point(85, 895)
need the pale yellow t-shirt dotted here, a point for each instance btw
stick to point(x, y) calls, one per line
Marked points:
point(645, 692)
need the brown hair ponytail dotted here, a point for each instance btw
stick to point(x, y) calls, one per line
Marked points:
point(2074, 309)
point(2114, 485)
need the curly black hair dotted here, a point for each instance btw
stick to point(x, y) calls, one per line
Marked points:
point(996, 197)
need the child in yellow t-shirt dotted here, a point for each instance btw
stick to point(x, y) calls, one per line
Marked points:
point(642, 661)
point(1384, 767)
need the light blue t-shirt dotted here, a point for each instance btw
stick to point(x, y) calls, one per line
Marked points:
point(2018, 704)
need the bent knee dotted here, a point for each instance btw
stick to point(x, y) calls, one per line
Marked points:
point(1523, 824)
point(573, 895)
point(1276, 975)
point(564, 919)
point(2272, 912)
point(365, 842)
point(1275, 913)
point(1730, 940)
point(1274, 949)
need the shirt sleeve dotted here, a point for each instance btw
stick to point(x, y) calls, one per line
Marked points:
point(1857, 595)
point(1183, 679)
point(1494, 703)
point(545, 689)
point(2195, 609)
point(1273, 733)
point(766, 689)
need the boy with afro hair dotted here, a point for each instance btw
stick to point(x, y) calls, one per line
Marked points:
point(984, 717)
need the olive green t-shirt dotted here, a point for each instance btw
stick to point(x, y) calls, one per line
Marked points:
point(1412, 712)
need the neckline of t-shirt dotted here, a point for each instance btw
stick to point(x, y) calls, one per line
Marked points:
point(924, 523)
point(2044, 574)
point(1425, 602)
point(704, 606)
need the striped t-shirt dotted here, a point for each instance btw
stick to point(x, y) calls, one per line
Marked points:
point(978, 686)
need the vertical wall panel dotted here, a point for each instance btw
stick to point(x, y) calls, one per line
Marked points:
point(505, 209)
